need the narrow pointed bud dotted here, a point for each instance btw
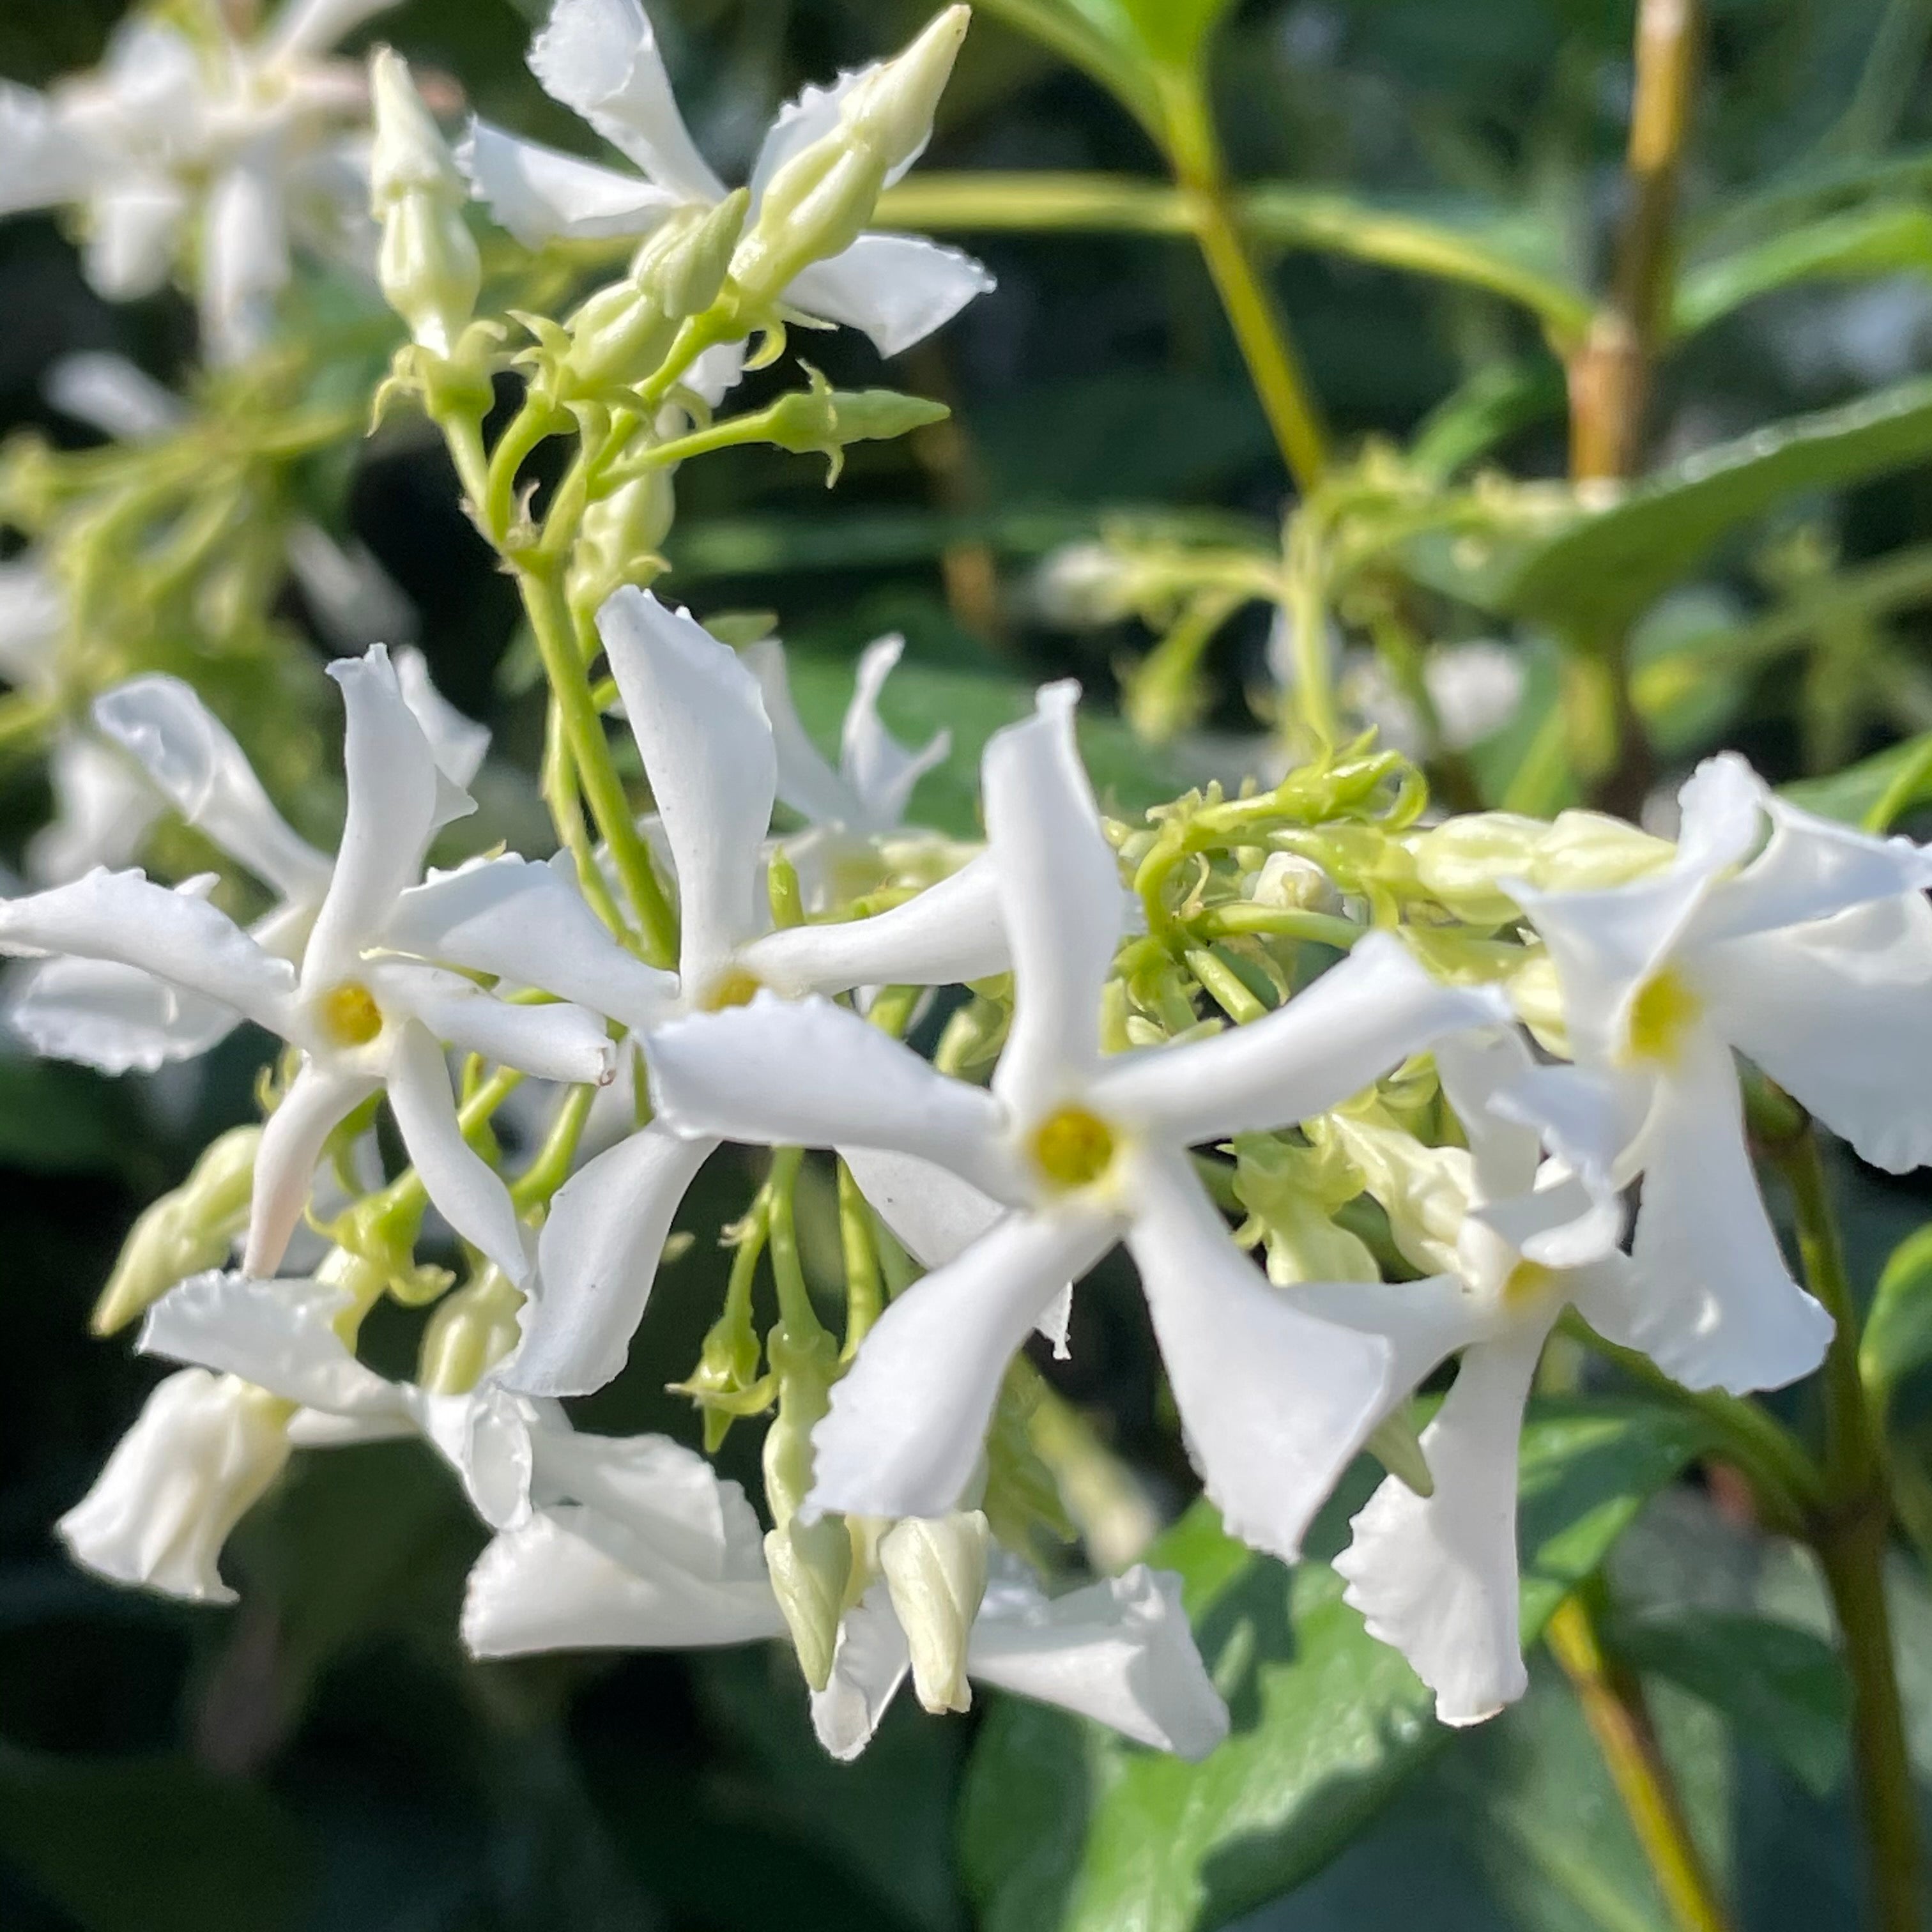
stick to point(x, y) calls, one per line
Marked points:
point(824, 420)
point(935, 1568)
point(810, 1564)
point(187, 1230)
point(199, 1455)
point(684, 263)
point(891, 109)
point(428, 264)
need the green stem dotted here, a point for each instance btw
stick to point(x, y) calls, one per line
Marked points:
point(865, 1288)
point(556, 635)
point(538, 1182)
point(795, 1313)
point(1259, 329)
point(1277, 922)
point(532, 424)
point(1849, 1533)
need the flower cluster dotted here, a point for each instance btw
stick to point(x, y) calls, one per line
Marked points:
point(1427, 1061)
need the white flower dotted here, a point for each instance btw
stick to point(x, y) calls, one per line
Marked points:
point(707, 746)
point(675, 1560)
point(1802, 944)
point(600, 58)
point(164, 747)
point(365, 1019)
point(1473, 687)
point(209, 148)
point(1084, 1154)
point(204, 1449)
point(1436, 1576)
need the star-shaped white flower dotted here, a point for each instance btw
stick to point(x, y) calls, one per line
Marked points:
point(210, 147)
point(700, 722)
point(1802, 944)
point(600, 58)
point(366, 1009)
point(1083, 1152)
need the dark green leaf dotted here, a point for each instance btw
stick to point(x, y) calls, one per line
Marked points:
point(149, 1844)
point(1897, 1336)
point(1065, 1828)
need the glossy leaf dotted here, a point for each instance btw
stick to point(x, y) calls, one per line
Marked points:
point(149, 1844)
point(1876, 792)
point(1897, 1336)
point(1067, 1829)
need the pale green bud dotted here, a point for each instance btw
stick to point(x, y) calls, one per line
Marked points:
point(618, 542)
point(818, 203)
point(618, 336)
point(470, 1332)
point(1292, 1193)
point(1289, 883)
point(935, 1568)
point(826, 419)
point(1425, 1191)
point(1460, 861)
point(810, 1566)
point(1586, 851)
point(428, 264)
point(190, 1228)
point(684, 263)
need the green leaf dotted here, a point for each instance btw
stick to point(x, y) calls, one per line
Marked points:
point(1096, 44)
point(1169, 34)
point(1784, 1688)
point(150, 1844)
point(1592, 576)
point(1066, 1829)
point(1876, 792)
point(1881, 240)
point(1897, 1336)
point(920, 699)
point(59, 1119)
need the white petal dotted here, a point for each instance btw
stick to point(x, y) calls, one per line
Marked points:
point(279, 1335)
point(527, 924)
point(880, 772)
point(33, 613)
point(895, 288)
point(596, 1258)
point(760, 1073)
point(202, 1450)
point(113, 1017)
point(1474, 1069)
point(1436, 1577)
point(695, 712)
point(869, 1665)
point(292, 1142)
point(1589, 1118)
point(109, 393)
point(1840, 1013)
point(1062, 899)
point(103, 808)
point(538, 194)
point(458, 744)
point(1362, 1018)
point(601, 58)
point(950, 934)
point(44, 161)
point(548, 1041)
point(1714, 1305)
point(355, 603)
point(715, 372)
point(461, 1186)
point(244, 257)
point(569, 1578)
point(314, 26)
point(178, 935)
point(806, 782)
point(193, 761)
point(395, 795)
point(1119, 1652)
point(1274, 1402)
point(908, 1419)
point(487, 1438)
point(134, 227)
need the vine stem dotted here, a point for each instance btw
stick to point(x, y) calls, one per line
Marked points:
point(1259, 328)
point(1849, 1533)
point(1619, 1720)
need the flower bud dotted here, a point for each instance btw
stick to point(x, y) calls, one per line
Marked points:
point(935, 1568)
point(1586, 851)
point(1287, 882)
point(811, 1564)
point(428, 264)
point(824, 419)
point(818, 203)
point(617, 542)
point(1459, 863)
point(187, 1230)
point(617, 337)
point(199, 1455)
point(471, 1331)
point(683, 264)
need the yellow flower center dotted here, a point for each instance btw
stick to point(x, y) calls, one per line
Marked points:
point(349, 1014)
point(1072, 1147)
point(734, 987)
point(1526, 1282)
point(1663, 1011)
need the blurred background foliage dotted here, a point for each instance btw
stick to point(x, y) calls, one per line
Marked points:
point(1435, 187)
